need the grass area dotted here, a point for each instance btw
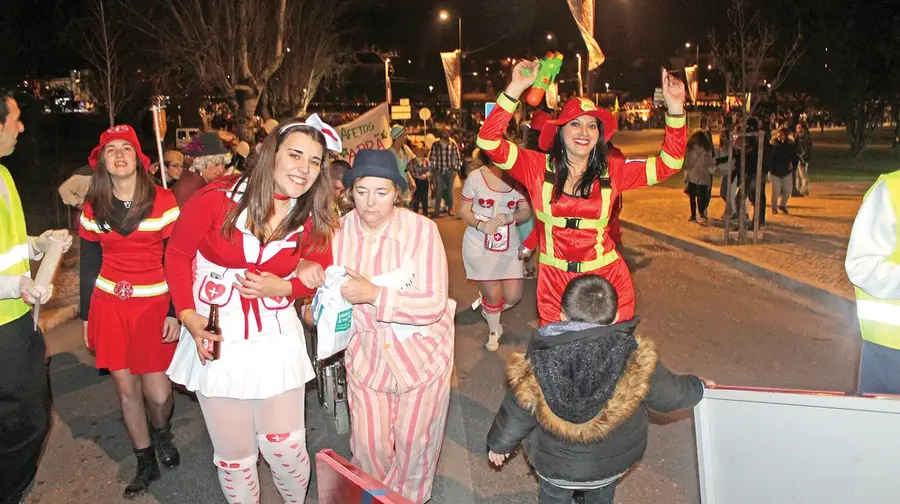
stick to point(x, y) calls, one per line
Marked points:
point(832, 160)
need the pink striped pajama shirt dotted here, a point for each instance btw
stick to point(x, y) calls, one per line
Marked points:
point(399, 391)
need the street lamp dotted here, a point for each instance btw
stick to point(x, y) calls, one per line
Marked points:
point(688, 45)
point(549, 36)
point(444, 16)
point(607, 86)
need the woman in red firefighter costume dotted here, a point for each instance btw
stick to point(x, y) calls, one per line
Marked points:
point(246, 245)
point(125, 222)
point(574, 185)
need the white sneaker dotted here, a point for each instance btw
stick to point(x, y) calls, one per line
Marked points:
point(476, 304)
point(493, 342)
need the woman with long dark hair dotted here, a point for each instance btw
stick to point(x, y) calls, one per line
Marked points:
point(125, 223)
point(574, 186)
point(250, 245)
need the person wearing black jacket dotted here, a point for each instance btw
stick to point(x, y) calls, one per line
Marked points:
point(783, 160)
point(579, 397)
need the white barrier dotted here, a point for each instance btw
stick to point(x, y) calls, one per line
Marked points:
point(765, 446)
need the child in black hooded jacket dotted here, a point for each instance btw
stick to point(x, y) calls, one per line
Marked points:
point(579, 397)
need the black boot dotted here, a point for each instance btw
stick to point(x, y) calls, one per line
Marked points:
point(165, 449)
point(147, 471)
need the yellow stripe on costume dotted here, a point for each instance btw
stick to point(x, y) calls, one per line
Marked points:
point(170, 216)
point(109, 287)
point(675, 121)
point(89, 224)
point(506, 104)
point(671, 162)
point(510, 158)
point(651, 171)
point(487, 145)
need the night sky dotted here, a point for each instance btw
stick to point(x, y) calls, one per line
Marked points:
point(33, 42)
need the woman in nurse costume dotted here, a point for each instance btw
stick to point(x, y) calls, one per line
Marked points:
point(492, 205)
point(246, 244)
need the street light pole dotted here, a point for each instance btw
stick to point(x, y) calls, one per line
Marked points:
point(444, 16)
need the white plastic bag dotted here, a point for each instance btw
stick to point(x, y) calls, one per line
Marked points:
point(332, 314)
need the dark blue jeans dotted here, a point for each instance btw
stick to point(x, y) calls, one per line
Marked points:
point(879, 369)
point(551, 494)
point(443, 186)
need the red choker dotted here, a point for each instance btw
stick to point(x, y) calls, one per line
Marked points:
point(281, 198)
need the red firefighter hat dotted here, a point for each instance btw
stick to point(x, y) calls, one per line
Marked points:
point(573, 109)
point(539, 119)
point(118, 132)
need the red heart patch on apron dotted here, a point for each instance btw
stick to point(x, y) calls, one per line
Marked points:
point(214, 290)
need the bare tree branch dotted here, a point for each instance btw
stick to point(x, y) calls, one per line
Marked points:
point(97, 40)
point(747, 56)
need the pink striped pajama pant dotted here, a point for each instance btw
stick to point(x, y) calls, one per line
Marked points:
point(397, 437)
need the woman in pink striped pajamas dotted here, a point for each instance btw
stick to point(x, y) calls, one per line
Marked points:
point(400, 359)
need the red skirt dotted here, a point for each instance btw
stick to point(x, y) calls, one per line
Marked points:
point(127, 333)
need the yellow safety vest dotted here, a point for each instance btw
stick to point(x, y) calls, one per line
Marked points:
point(14, 253)
point(878, 320)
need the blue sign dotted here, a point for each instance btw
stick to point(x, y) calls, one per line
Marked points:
point(488, 107)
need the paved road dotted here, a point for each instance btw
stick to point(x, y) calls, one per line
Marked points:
point(707, 319)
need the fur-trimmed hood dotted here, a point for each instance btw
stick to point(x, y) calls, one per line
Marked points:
point(587, 405)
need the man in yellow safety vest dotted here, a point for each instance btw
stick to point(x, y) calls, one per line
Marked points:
point(24, 387)
point(873, 266)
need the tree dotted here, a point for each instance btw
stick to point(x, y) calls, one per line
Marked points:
point(99, 40)
point(747, 55)
point(315, 56)
point(234, 48)
point(853, 62)
point(748, 58)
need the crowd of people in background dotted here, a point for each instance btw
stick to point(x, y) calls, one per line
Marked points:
point(785, 157)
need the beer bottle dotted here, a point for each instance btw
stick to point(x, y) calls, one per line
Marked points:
point(212, 326)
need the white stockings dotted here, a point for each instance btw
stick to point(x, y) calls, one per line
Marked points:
point(241, 429)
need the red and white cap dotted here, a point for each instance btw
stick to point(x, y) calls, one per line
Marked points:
point(118, 132)
point(573, 109)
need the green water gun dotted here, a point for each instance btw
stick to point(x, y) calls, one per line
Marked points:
point(546, 74)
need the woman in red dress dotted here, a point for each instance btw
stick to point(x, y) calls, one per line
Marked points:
point(125, 223)
point(574, 183)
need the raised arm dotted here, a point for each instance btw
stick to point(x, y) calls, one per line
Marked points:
point(636, 173)
point(523, 164)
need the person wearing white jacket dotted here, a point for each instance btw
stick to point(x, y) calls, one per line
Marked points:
point(873, 266)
